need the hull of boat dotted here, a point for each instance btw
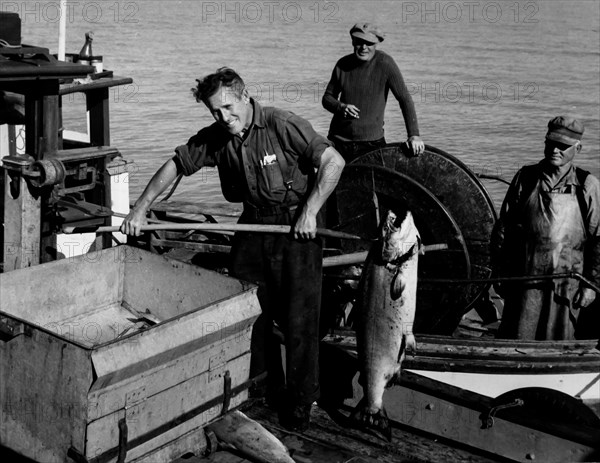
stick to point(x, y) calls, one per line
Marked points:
point(492, 367)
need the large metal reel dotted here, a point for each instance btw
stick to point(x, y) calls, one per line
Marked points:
point(450, 206)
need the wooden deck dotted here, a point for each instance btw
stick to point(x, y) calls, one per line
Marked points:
point(329, 441)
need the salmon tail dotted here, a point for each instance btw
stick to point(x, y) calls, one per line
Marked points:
point(376, 423)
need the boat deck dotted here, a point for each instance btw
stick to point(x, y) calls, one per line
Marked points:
point(329, 441)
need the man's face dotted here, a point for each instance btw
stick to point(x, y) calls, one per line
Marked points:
point(559, 154)
point(363, 50)
point(230, 109)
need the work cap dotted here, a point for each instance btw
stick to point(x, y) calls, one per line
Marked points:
point(367, 32)
point(564, 129)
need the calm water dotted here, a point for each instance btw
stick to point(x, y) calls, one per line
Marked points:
point(485, 76)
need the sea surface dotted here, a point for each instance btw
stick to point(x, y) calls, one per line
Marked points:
point(485, 76)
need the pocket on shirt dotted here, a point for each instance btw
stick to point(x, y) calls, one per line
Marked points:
point(273, 179)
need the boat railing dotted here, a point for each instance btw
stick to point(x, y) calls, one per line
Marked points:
point(464, 281)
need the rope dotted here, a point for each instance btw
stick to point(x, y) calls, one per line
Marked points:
point(5, 44)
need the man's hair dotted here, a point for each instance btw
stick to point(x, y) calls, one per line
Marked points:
point(223, 77)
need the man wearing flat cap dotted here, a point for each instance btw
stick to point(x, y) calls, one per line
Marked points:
point(357, 94)
point(549, 224)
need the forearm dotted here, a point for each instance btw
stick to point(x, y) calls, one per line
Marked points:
point(330, 98)
point(157, 185)
point(410, 115)
point(328, 175)
point(407, 106)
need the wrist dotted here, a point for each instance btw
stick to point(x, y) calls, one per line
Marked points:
point(138, 208)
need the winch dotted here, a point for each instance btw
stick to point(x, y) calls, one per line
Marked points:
point(48, 179)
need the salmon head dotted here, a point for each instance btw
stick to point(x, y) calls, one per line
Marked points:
point(399, 237)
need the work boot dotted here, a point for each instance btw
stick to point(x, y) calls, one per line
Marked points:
point(295, 418)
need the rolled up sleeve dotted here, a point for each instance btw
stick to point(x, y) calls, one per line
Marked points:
point(300, 137)
point(196, 153)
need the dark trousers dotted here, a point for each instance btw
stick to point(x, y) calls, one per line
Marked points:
point(350, 150)
point(288, 273)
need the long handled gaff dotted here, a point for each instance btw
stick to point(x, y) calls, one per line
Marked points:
point(359, 257)
point(215, 227)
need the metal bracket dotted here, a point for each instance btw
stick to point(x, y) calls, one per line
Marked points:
point(212, 443)
point(487, 418)
point(10, 329)
point(76, 455)
point(122, 441)
point(21, 165)
point(226, 392)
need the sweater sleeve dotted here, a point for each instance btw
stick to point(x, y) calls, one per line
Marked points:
point(330, 97)
point(401, 93)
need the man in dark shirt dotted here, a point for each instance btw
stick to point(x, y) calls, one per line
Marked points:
point(357, 94)
point(283, 171)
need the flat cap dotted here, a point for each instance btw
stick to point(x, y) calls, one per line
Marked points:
point(367, 32)
point(565, 129)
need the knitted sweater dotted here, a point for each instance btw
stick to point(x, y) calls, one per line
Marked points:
point(366, 85)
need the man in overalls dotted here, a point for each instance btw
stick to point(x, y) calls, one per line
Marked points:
point(283, 171)
point(549, 224)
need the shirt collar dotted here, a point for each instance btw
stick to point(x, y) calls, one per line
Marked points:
point(569, 178)
point(258, 119)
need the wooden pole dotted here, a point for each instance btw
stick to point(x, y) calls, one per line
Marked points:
point(359, 257)
point(62, 30)
point(254, 228)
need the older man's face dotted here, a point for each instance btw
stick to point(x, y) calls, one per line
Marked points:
point(363, 50)
point(231, 109)
point(560, 154)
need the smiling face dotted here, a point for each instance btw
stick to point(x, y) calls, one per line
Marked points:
point(558, 154)
point(363, 50)
point(231, 109)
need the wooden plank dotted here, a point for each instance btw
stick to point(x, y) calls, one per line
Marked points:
point(221, 209)
point(22, 231)
point(169, 443)
point(443, 353)
point(331, 439)
point(170, 288)
point(463, 424)
point(47, 294)
point(192, 442)
point(165, 371)
point(192, 245)
point(220, 317)
point(151, 412)
point(87, 153)
point(99, 117)
point(43, 395)
point(105, 82)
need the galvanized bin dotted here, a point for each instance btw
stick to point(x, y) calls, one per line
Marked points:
point(119, 355)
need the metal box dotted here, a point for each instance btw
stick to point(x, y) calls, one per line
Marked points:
point(119, 355)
